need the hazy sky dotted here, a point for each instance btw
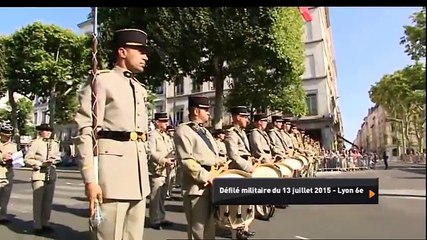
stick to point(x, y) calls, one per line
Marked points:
point(366, 43)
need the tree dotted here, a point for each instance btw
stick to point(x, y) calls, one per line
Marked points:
point(415, 36)
point(394, 92)
point(207, 44)
point(24, 113)
point(3, 67)
point(49, 62)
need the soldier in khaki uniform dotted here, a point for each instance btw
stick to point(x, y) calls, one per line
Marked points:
point(7, 148)
point(285, 131)
point(123, 182)
point(161, 159)
point(238, 150)
point(42, 156)
point(197, 153)
point(276, 137)
point(219, 135)
point(259, 141)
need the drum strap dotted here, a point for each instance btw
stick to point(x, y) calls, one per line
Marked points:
point(266, 137)
point(243, 139)
point(202, 133)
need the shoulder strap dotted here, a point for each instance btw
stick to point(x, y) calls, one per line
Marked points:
point(243, 139)
point(202, 135)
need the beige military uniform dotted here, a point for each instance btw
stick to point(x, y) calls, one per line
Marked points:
point(6, 176)
point(160, 150)
point(39, 152)
point(196, 157)
point(222, 150)
point(260, 145)
point(287, 139)
point(277, 142)
point(123, 168)
point(238, 150)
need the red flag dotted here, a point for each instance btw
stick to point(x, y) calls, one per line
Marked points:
point(305, 12)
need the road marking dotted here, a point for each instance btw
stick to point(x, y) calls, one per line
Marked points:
point(299, 237)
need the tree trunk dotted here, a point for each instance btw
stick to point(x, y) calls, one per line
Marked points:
point(219, 92)
point(14, 113)
point(52, 108)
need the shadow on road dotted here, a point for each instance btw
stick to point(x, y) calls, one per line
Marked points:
point(174, 208)
point(81, 199)
point(412, 169)
point(19, 181)
point(62, 232)
point(81, 212)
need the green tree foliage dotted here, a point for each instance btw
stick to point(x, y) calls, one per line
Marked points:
point(394, 92)
point(3, 67)
point(209, 44)
point(415, 36)
point(49, 62)
point(276, 74)
point(24, 113)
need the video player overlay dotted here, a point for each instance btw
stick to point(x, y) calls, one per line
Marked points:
point(303, 191)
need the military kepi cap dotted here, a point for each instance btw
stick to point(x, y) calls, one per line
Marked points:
point(6, 129)
point(260, 117)
point(287, 121)
point(198, 102)
point(276, 118)
point(44, 127)
point(129, 38)
point(239, 110)
point(162, 116)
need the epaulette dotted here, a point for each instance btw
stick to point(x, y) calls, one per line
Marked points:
point(230, 129)
point(99, 72)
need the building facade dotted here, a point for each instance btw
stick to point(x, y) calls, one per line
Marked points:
point(323, 121)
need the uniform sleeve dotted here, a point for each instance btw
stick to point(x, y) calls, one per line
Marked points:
point(275, 143)
point(231, 144)
point(184, 153)
point(254, 141)
point(31, 157)
point(155, 155)
point(83, 119)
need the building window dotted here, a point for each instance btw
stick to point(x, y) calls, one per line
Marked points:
point(45, 117)
point(179, 115)
point(159, 89)
point(308, 31)
point(197, 87)
point(311, 100)
point(180, 87)
point(310, 68)
point(36, 118)
point(159, 108)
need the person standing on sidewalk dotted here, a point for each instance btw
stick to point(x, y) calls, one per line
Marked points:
point(7, 148)
point(385, 158)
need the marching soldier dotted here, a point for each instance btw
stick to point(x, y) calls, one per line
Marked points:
point(160, 160)
point(197, 154)
point(219, 135)
point(276, 137)
point(7, 148)
point(42, 156)
point(259, 141)
point(285, 131)
point(172, 173)
point(238, 151)
point(122, 121)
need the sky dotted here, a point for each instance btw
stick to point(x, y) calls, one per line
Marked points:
point(366, 45)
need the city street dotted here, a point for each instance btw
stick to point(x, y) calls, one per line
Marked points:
point(400, 213)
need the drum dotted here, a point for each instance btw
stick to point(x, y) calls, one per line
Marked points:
point(265, 170)
point(234, 216)
point(295, 163)
point(286, 170)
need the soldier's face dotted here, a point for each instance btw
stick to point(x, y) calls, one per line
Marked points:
point(45, 134)
point(278, 124)
point(242, 121)
point(263, 124)
point(162, 124)
point(5, 137)
point(135, 58)
point(203, 114)
point(287, 127)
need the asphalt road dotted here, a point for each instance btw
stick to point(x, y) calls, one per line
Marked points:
point(401, 211)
